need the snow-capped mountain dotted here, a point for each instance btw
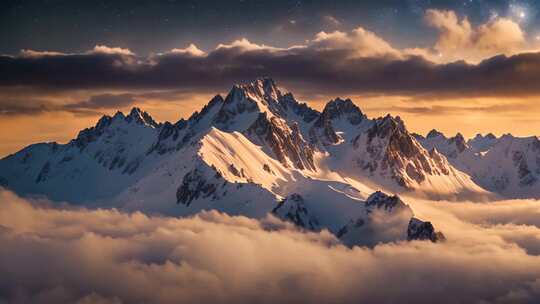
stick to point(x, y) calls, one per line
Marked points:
point(508, 165)
point(253, 152)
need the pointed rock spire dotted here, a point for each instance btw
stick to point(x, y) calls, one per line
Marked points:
point(140, 117)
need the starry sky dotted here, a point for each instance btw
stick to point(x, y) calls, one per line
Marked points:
point(155, 26)
point(470, 66)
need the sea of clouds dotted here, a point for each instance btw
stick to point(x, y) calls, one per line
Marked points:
point(60, 254)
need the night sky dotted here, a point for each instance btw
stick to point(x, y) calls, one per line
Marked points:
point(155, 26)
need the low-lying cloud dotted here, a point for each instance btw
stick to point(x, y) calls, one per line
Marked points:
point(53, 254)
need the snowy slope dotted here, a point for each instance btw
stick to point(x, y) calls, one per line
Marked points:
point(508, 165)
point(382, 154)
point(101, 162)
point(253, 152)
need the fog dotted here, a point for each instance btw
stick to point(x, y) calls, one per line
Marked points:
point(58, 254)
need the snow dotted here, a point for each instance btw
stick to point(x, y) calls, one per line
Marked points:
point(214, 160)
point(508, 166)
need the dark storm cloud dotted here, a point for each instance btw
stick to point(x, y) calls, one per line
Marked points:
point(312, 69)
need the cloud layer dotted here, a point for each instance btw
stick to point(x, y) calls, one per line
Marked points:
point(106, 256)
point(490, 59)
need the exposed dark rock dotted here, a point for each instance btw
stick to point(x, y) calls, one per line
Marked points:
point(386, 218)
point(236, 102)
point(267, 169)
point(335, 109)
point(358, 223)
point(288, 102)
point(140, 117)
point(89, 135)
point(423, 231)
point(285, 143)
point(459, 141)
point(339, 108)
point(382, 201)
point(397, 152)
point(197, 116)
point(526, 177)
point(132, 166)
point(434, 133)
point(234, 170)
point(194, 186)
point(44, 172)
point(293, 209)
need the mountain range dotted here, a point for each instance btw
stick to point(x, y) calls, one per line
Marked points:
point(259, 151)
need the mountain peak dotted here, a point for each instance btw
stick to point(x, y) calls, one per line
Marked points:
point(434, 133)
point(420, 230)
point(382, 200)
point(460, 142)
point(338, 108)
point(140, 117)
point(216, 100)
point(391, 123)
point(258, 96)
point(490, 136)
point(261, 88)
point(119, 115)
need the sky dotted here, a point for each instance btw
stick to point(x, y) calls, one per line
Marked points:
point(468, 66)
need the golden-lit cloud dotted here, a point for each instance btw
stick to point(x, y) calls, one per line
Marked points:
point(244, 45)
point(192, 50)
point(213, 257)
point(103, 49)
point(460, 40)
point(359, 42)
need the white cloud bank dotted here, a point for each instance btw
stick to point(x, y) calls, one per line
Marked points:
point(104, 256)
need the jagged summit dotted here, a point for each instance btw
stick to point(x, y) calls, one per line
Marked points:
point(387, 126)
point(384, 201)
point(141, 117)
point(340, 109)
point(256, 147)
point(255, 123)
point(489, 136)
point(338, 117)
point(262, 89)
point(434, 133)
point(136, 115)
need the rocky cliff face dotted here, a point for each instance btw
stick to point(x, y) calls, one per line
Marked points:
point(336, 113)
point(286, 143)
point(419, 230)
point(392, 151)
point(293, 209)
point(196, 185)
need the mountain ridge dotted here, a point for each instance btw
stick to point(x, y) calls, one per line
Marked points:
point(253, 152)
